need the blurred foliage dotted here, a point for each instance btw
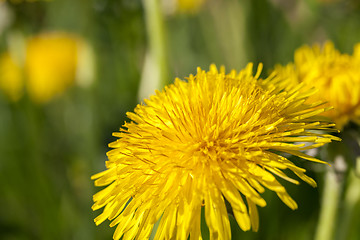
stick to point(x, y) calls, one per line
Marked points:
point(48, 152)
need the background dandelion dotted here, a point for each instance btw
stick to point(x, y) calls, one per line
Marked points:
point(50, 150)
point(336, 77)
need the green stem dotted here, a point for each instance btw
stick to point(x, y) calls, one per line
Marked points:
point(351, 198)
point(157, 55)
point(329, 205)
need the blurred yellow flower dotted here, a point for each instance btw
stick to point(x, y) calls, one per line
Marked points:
point(46, 64)
point(11, 79)
point(189, 5)
point(50, 65)
point(214, 138)
point(336, 76)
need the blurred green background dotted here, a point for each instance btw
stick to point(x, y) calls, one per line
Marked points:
point(49, 151)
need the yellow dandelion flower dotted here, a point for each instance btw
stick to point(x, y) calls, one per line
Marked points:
point(336, 76)
point(50, 65)
point(189, 5)
point(11, 79)
point(199, 143)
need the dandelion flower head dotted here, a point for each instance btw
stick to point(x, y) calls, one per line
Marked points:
point(45, 65)
point(199, 143)
point(174, 7)
point(336, 76)
point(51, 64)
point(189, 6)
point(11, 78)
